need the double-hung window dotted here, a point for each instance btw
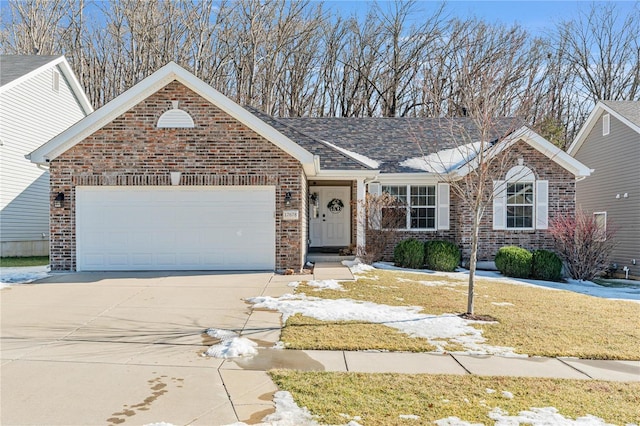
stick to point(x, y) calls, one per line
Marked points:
point(416, 207)
point(520, 202)
point(520, 205)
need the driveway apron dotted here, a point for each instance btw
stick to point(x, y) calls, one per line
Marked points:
point(126, 348)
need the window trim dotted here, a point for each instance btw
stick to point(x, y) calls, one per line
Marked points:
point(409, 206)
point(606, 124)
point(532, 205)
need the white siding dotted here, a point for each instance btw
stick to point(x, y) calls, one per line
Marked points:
point(31, 113)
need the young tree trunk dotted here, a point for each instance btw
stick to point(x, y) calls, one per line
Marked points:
point(473, 260)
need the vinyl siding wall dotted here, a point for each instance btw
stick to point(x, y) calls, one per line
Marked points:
point(615, 160)
point(31, 113)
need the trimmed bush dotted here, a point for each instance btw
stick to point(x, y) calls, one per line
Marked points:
point(441, 255)
point(546, 265)
point(514, 261)
point(409, 254)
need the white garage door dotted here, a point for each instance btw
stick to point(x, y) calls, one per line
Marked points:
point(175, 228)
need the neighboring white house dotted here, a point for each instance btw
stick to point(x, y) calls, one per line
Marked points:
point(39, 98)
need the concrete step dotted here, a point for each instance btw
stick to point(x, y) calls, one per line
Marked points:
point(327, 257)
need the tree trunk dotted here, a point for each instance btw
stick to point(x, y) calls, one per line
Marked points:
point(473, 260)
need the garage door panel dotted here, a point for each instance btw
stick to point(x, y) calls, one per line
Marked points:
point(180, 228)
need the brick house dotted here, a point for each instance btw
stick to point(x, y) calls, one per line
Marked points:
point(173, 175)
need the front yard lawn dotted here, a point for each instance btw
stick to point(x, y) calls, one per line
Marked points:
point(534, 321)
point(399, 399)
point(7, 262)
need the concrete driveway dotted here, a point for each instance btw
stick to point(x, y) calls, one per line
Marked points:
point(126, 348)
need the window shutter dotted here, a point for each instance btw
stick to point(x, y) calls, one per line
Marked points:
point(375, 188)
point(499, 204)
point(443, 206)
point(542, 204)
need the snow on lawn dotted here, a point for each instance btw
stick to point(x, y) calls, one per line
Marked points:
point(407, 319)
point(22, 275)
point(287, 413)
point(320, 285)
point(583, 287)
point(231, 345)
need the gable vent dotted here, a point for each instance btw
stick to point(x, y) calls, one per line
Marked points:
point(175, 118)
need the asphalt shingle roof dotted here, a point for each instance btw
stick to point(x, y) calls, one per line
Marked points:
point(391, 141)
point(628, 109)
point(330, 159)
point(15, 66)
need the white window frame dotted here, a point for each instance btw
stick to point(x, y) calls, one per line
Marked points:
point(540, 206)
point(409, 207)
point(606, 124)
point(601, 225)
point(531, 205)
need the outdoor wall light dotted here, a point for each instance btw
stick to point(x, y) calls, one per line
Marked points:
point(58, 202)
point(287, 199)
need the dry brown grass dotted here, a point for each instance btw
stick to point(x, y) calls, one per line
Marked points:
point(534, 321)
point(381, 398)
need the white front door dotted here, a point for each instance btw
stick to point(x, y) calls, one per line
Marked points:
point(330, 216)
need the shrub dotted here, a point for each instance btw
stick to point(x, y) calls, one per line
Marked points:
point(583, 244)
point(409, 254)
point(441, 255)
point(546, 265)
point(514, 261)
point(381, 229)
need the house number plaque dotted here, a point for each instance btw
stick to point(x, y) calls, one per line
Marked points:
point(290, 215)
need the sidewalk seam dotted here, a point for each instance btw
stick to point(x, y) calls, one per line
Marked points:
point(573, 367)
point(459, 363)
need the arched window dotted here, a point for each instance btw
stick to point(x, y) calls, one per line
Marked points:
point(520, 201)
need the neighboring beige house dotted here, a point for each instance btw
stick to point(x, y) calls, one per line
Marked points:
point(174, 175)
point(609, 143)
point(39, 98)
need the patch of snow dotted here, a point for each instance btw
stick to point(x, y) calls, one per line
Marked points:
point(406, 319)
point(233, 348)
point(543, 416)
point(22, 275)
point(488, 390)
point(287, 413)
point(502, 304)
point(507, 394)
point(455, 421)
point(357, 267)
point(230, 346)
point(444, 161)
point(319, 285)
point(217, 333)
point(325, 284)
point(409, 417)
point(354, 155)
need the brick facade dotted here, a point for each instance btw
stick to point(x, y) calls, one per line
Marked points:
point(561, 202)
point(130, 150)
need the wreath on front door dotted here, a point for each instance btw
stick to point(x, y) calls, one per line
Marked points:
point(335, 206)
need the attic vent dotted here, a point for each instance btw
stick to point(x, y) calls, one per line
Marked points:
point(606, 124)
point(175, 118)
point(55, 81)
